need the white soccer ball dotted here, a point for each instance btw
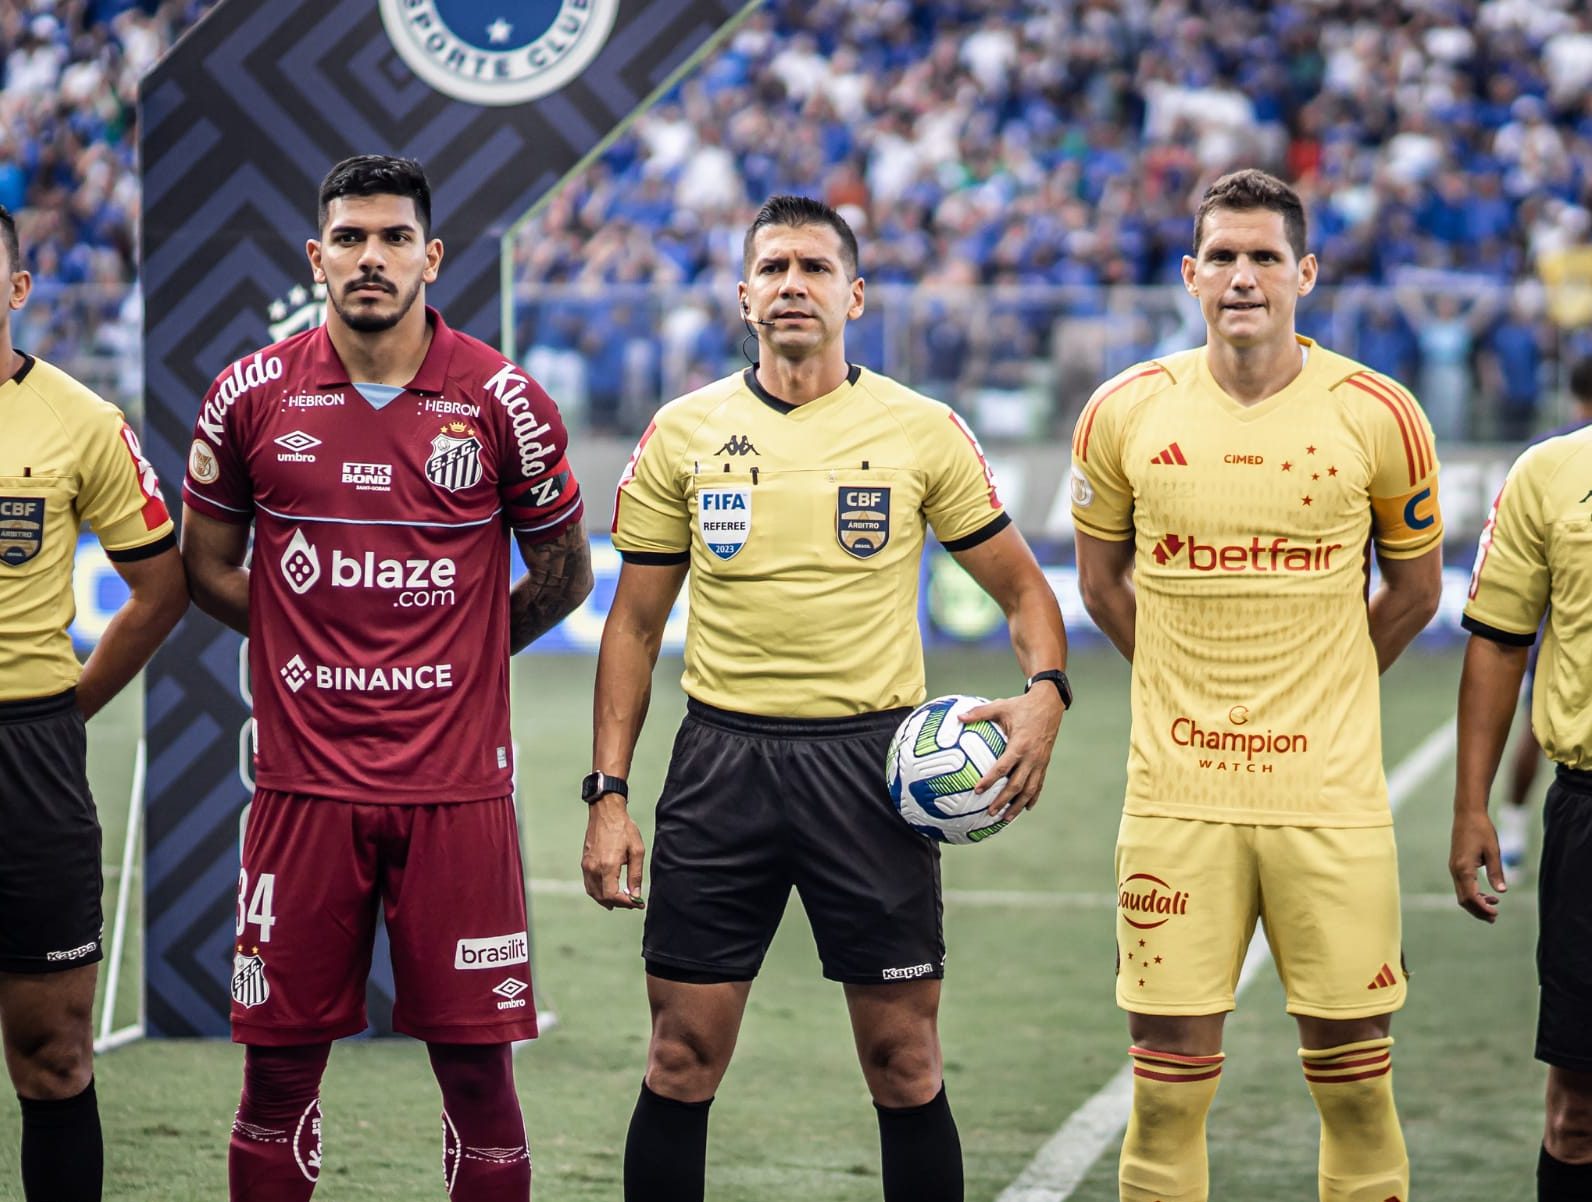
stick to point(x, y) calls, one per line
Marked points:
point(933, 763)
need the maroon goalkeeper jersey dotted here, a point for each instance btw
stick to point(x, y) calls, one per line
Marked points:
point(378, 584)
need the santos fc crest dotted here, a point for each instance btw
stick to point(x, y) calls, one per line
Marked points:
point(862, 520)
point(455, 461)
point(249, 986)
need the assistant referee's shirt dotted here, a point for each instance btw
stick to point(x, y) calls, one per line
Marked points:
point(803, 526)
point(1536, 554)
point(66, 457)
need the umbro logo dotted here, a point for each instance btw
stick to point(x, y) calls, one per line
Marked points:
point(1384, 979)
point(1172, 455)
point(510, 988)
point(737, 444)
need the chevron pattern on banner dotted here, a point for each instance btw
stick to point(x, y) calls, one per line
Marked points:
point(237, 126)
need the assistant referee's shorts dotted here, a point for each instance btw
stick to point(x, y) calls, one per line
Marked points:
point(753, 806)
point(50, 881)
point(1564, 928)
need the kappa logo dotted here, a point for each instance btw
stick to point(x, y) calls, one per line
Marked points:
point(737, 444)
point(724, 516)
point(21, 529)
point(455, 461)
point(498, 52)
point(1172, 454)
point(862, 520)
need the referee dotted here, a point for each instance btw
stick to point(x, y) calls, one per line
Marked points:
point(795, 494)
point(66, 458)
point(1535, 556)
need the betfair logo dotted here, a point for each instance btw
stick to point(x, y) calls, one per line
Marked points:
point(1278, 555)
point(737, 444)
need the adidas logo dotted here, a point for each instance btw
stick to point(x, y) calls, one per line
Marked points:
point(1383, 980)
point(1172, 455)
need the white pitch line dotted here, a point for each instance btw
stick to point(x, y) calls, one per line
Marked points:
point(1067, 1156)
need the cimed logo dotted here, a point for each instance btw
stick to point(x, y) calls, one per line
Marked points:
point(498, 52)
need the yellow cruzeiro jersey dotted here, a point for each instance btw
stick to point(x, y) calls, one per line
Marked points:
point(1535, 555)
point(803, 526)
point(1254, 677)
point(66, 457)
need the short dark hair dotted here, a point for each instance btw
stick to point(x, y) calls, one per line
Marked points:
point(377, 175)
point(801, 210)
point(8, 239)
point(1255, 189)
point(1581, 380)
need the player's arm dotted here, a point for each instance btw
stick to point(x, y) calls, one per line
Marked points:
point(1404, 602)
point(1005, 568)
point(159, 597)
point(557, 579)
point(614, 855)
point(1105, 578)
point(214, 552)
point(1489, 686)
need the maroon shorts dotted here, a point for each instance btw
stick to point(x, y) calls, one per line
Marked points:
point(453, 892)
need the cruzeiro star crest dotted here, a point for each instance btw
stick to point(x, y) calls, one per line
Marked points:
point(498, 51)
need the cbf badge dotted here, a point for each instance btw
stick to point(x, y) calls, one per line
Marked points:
point(498, 51)
point(21, 529)
point(724, 516)
point(862, 520)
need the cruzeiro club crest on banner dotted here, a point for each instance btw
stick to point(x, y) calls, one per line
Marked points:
point(724, 516)
point(498, 51)
point(249, 986)
point(455, 461)
point(862, 520)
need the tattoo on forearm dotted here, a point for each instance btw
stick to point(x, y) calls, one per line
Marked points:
point(557, 579)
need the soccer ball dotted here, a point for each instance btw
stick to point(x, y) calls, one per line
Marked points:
point(933, 763)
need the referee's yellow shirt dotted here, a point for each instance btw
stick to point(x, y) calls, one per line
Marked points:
point(1536, 554)
point(66, 457)
point(803, 526)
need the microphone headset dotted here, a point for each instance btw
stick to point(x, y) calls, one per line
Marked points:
point(746, 315)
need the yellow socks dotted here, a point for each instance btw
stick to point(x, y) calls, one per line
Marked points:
point(1362, 1148)
point(1163, 1151)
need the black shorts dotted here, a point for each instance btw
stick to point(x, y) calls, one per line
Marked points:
point(752, 806)
point(50, 880)
point(1564, 910)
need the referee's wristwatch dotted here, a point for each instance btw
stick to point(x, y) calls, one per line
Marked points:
point(1056, 677)
point(600, 784)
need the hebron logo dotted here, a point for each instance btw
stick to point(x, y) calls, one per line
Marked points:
point(492, 952)
point(1172, 454)
point(1281, 554)
point(1151, 896)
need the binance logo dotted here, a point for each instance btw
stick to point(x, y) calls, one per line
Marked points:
point(737, 444)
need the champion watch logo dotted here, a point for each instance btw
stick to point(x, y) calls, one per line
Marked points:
point(498, 51)
point(1172, 455)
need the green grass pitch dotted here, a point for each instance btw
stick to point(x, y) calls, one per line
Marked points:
point(1029, 1024)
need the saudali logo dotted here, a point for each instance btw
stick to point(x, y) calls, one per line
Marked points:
point(862, 520)
point(498, 51)
point(737, 444)
point(21, 529)
point(1152, 900)
point(455, 461)
point(724, 516)
point(1274, 555)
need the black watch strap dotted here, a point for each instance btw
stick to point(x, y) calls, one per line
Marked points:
point(600, 784)
point(1056, 677)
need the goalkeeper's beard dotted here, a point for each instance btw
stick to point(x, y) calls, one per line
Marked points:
point(363, 322)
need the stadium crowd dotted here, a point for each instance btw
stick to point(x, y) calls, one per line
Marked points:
point(1042, 153)
point(1443, 147)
